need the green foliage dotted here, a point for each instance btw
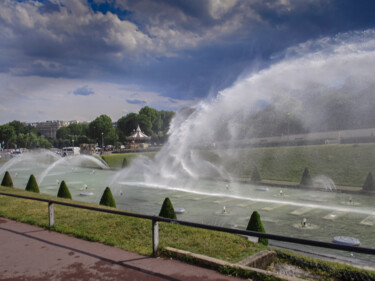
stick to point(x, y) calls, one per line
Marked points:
point(167, 210)
point(32, 185)
point(333, 271)
point(369, 183)
point(152, 122)
point(64, 191)
point(306, 178)
point(103, 124)
point(255, 176)
point(107, 198)
point(7, 180)
point(255, 224)
point(124, 163)
point(8, 135)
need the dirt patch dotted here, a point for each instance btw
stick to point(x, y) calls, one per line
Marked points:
point(291, 270)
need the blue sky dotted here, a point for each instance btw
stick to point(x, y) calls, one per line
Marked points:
point(77, 59)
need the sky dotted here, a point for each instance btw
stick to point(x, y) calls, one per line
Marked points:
point(78, 59)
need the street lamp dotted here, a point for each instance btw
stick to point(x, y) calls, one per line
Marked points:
point(102, 141)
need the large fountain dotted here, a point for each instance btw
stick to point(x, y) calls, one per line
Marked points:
point(208, 192)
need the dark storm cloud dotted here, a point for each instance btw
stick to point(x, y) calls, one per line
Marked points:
point(182, 49)
point(83, 91)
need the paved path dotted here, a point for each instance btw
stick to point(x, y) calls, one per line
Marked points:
point(32, 253)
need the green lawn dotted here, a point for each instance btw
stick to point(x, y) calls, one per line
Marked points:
point(128, 233)
point(115, 160)
point(345, 164)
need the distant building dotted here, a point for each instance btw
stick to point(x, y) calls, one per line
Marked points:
point(49, 128)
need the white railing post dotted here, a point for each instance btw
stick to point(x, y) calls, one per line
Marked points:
point(51, 214)
point(155, 237)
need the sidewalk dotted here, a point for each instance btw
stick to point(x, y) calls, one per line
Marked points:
point(32, 253)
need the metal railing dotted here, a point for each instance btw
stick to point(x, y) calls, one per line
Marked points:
point(156, 219)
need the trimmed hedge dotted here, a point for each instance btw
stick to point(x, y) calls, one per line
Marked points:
point(167, 210)
point(107, 198)
point(255, 224)
point(32, 185)
point(306, 178)
point(369, 183)
point(7, 180)
point(64, 191)
point(255, 176)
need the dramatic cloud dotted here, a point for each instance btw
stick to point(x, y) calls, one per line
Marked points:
point(184, 50)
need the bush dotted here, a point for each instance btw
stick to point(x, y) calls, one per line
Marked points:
point(64, 191)
point(7, 180)
point(167, 210)
point(369, 183)
point(124, 163)
point(255, 176)
point(306, 178)
point(107, 198)
point(32, 185)
point(255, 224)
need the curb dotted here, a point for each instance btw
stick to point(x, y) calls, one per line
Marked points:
point(205, 261)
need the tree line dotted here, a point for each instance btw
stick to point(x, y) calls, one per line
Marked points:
point(152, 122)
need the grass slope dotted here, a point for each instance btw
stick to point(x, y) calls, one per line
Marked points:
point(345, 164)
point(131, 234)
point(115, 160)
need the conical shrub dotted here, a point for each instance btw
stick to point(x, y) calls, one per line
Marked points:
point(306, 178)
point(124, 163)
point(255, 224)
point(369, 183)
point(255, 176)
point(107, 198)
point(7, 180)
point(167, 210)
point(64, 191)
point(32, 185)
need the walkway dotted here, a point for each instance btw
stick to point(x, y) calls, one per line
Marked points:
point(32, 253)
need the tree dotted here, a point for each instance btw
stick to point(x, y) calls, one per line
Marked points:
point(126, 125)
point(154, 117)
point(32, 185)
point(64, 191)
point(306, 178)
point(8, 135)
point(19, 128)
point(369, 183)
point(102, 128)
point(7, 180)
point(107, 198)
point(167, 210)
point(255, 176)
point(43, 142)
point(255, 224)
point(32, 140)
point(63, 133)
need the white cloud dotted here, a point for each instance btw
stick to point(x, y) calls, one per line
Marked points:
point(39, 99)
